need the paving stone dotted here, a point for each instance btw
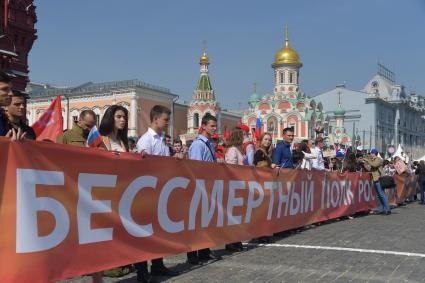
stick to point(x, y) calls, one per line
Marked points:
point(403, 231)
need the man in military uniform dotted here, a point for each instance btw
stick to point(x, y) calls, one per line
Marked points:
point(80, 130)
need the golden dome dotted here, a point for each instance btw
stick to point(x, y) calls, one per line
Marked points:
point(287, 55)
point(204, 59)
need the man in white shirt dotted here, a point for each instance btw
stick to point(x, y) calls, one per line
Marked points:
point(153, 143)
point(319, 161)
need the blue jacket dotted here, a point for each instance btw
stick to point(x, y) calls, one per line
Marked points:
point(282, 155)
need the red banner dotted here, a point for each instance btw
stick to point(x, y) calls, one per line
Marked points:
point(67, 211)
point(406, 188)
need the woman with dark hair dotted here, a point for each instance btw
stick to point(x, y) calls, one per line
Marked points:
point(114, 128)
point(307, 162)
point(297, 157)
point(350, 163)
point(263, 155)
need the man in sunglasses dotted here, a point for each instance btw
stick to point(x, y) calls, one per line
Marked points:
point(282, 155)
point(80, 130)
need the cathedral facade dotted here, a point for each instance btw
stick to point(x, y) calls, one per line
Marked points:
point(286, 106)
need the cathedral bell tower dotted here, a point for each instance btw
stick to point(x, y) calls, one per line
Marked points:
point(203, 99)
point(286, 67)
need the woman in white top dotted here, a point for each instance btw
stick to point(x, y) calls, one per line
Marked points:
point(234, 143)
point(114, 128)
point(307, 162)
point(233, 155)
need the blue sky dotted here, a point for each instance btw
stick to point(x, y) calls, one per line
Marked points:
point(160, 42)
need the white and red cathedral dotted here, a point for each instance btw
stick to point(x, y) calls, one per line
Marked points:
point(286, 106)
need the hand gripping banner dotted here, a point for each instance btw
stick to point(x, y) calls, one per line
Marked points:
point(67, 211)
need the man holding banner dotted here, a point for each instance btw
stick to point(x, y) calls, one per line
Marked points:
point(153, 143)
point(80, 130)
point(202, 149)
point(282, 156)
point(17, 113)
point(5, 100)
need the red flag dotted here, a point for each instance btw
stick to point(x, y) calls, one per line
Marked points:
point(226, 135)
point(50, 124)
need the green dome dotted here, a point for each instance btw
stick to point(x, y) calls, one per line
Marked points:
point(254, 98)
point(339, 111)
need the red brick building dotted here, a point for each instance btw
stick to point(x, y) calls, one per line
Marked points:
point(17, 35)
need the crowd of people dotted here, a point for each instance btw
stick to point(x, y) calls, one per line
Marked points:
point(236, 148)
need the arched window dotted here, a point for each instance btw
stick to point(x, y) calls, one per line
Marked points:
point(281, 78)
point(196, 120)
point(291, 77)
point(74, 114)
point(96, 111)
point(272, 125)
point(292, 123)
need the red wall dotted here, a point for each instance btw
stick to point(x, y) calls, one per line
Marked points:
point(19, 37)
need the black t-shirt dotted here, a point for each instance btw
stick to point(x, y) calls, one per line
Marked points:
point(260, 155)
point(30, 134)
point(3, 123)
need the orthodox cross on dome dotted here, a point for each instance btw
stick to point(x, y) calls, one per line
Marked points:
point(339, 87)
point(254, 99)
point(339, 98)
point(204, 45)
point(286, 36)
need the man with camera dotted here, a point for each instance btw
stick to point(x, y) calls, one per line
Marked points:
point(372, 163)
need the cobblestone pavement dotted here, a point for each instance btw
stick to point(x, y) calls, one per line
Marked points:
point(403, 231)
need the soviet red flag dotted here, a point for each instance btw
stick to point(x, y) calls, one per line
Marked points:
point(50, 124)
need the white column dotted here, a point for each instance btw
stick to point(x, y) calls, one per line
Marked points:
point(33, 114)
point(66, 118)
point(190, 122)
point(299, 129)
point(218, 116)
point(114, 98)
point(279, 127)
point(133, 116)
point(396, 129)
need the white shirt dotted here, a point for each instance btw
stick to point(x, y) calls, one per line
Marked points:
point(233, 156)
point(307, 162)
point(116, 146)
point(318, 162)
point(153, 144)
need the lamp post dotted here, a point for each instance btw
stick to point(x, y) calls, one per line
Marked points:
point(173, 116)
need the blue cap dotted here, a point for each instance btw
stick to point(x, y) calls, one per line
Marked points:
point(374, 151)
point(340, 153)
